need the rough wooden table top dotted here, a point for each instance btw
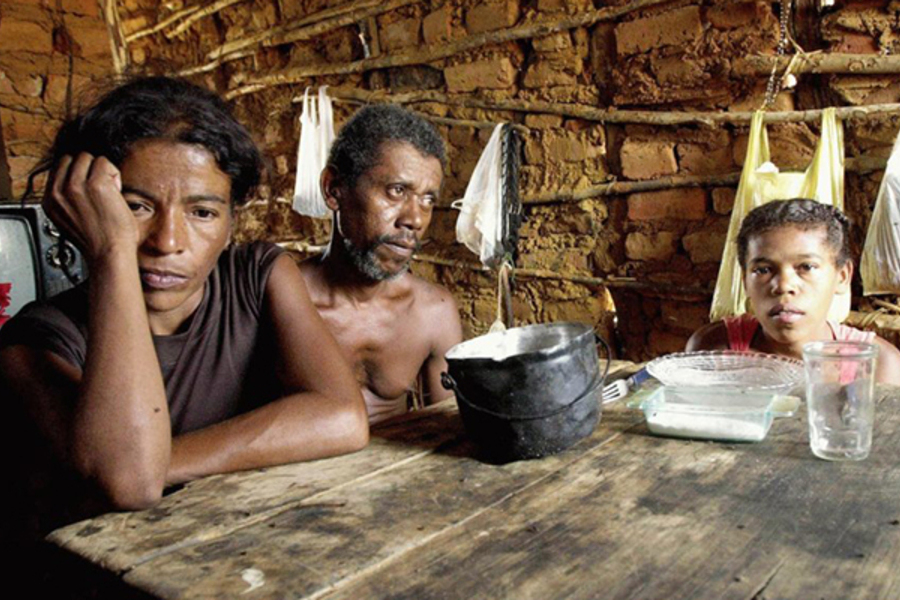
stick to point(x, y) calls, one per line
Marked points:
point(622, 514)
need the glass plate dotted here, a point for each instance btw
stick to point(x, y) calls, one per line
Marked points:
point(727, 369)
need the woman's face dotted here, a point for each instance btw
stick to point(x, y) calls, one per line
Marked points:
point(181, 201)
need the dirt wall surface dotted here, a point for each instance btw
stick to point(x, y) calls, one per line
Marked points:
point(662, 246)
point(49, 51)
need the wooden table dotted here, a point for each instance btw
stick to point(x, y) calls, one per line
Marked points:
point(622, 514)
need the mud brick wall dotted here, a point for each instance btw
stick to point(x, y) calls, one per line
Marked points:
point(49, 52)
point(661, 247)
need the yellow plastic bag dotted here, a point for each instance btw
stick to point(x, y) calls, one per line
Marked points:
point(880, 264)
point(761, 181)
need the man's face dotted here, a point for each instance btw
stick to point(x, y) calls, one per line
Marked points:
point(791, 279)
point(383, 217)
point(181, 201)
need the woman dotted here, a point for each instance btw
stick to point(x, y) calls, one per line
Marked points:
point(181, 356)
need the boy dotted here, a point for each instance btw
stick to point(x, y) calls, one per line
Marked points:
point(795, 257)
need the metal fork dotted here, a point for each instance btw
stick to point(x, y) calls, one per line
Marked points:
point(620, 387)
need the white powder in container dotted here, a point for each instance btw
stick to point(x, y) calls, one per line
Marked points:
point(707, 426)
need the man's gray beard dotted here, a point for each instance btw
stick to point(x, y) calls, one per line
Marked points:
point(366, 262)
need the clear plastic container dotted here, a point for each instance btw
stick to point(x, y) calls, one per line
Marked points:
point(714, 414)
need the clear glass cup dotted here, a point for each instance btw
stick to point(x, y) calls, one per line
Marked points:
point(840, 398)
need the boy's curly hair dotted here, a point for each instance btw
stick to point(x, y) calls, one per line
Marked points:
point(802, 213)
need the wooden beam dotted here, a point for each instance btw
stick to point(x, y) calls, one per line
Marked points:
point(861, 165)
point(609, 282)
point(333, 18)
point(117, 40)
point(204, 12)
point(590, 113)
point(176, 16)
point(821, 63)
point(439, 51)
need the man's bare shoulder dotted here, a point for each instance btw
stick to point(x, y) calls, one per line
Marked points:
point(432, 297)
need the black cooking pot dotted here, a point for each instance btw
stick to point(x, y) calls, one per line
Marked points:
point(528, 391)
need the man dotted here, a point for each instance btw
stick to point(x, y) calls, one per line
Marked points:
point(382, 181)
point(181, 355)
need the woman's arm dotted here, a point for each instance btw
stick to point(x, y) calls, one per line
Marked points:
point(118, 434)
point(323, 415)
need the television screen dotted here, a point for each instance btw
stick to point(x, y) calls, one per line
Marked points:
point(18, 264)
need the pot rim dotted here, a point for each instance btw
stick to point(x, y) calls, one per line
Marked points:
point(586, 330)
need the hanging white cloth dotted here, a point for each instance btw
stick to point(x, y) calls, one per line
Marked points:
point(316, 137)
point(480, 222)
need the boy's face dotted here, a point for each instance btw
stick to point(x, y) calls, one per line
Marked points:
point(791, 278)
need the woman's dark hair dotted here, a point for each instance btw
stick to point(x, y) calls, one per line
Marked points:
point(802, 213)
point(357, 147)
point(167, 109)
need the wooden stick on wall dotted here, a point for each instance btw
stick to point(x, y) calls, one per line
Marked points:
point(197, 15)
point(590, 113)
point(431, 54)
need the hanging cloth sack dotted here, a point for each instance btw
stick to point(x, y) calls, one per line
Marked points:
point(880, 265)
point(316, 137)
point(761, 181)
point(480, 222)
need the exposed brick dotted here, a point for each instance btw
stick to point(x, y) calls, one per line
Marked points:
point(496, 73)
point(732, 15)
point(552, 43)
point(400, 34)
point(498, 14)
point(723, 200)
point(676, 71)
point(552, 73)
point(704, 246)
point(589, 309)
point(534, 150)
point(24, 36)
point(684, 316)
point(538, 121)
point(90, 37)
point(647, 160)
point(89, 8)
point(666, 342)
point(437, 25)
point(566, 148)
point(700, 159)
point(855, 43)
point(679, 26)
point(643, 246)
point(679, 203)
point(129, 26)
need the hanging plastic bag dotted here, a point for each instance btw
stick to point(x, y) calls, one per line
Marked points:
point(316, 136)
point(880, 265)
point(761, 181)
point(480, 222)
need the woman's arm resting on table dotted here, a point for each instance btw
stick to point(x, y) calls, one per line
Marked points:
point(111, 421)
point(324, 414)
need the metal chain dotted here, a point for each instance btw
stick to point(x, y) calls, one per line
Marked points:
point(773, 87)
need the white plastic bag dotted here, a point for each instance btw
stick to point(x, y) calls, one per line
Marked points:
point(480, 222)
point(880, 265)
point(316, 137)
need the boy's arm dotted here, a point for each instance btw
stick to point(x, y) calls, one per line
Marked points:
point(323, 415)
point(713, 336)
point(888, 369)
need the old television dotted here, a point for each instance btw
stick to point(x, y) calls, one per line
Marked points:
point(34, 259)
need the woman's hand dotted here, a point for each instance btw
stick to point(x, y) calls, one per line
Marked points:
point(84, 200)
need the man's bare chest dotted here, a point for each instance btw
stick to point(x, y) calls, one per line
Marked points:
point(386, 349)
